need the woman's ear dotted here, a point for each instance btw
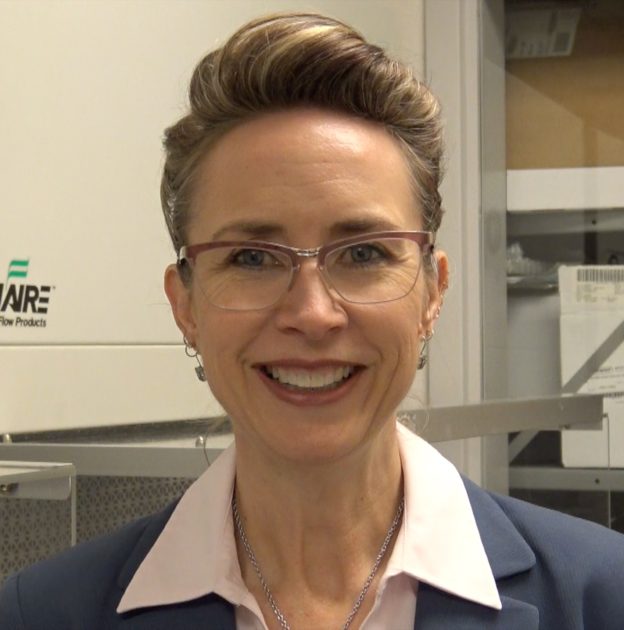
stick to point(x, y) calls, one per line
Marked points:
point(437, 283)
point(179, 296)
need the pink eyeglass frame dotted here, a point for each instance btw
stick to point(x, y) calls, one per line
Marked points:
point(425, 240)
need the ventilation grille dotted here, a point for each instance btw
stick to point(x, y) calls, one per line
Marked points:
point(33, 530)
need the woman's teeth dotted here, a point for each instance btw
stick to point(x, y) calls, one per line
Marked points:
point(307, 379)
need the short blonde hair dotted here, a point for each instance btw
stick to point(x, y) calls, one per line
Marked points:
point(289, 60)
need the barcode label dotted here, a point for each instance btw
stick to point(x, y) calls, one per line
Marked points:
point(601, 275)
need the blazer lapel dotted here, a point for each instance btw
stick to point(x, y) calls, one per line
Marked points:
point(436, 610)
point(508, 554)
point(506, 549)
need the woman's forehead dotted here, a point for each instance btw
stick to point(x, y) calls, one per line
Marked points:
point(313, 142)
point(305, 164)
point(310, 124)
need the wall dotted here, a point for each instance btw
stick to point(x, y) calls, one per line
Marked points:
point(88, 87)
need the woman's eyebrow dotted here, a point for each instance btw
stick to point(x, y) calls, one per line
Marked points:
point(356, 226)
point(264, 230)
point(249, 229)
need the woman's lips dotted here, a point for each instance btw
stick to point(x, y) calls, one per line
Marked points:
point(309, 385)
point(302, 378)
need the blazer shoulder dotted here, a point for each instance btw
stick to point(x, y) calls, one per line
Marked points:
point(564, 536)
point(578, 566)
point(67, 589)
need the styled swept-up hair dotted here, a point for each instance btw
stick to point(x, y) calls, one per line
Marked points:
point(290, 60)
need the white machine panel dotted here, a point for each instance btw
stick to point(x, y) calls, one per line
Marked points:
point(88, 93)
point(88, 86)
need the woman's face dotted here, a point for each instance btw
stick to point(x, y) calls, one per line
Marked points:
point(304, 178)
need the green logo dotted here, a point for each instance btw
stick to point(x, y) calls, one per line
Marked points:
point(19, 299)
point(18, 268)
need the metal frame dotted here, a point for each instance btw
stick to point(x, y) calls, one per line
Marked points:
point(119, 460)
point(572, 479)
point(42, 480)
point(455, 374)
point(465, 66)
point(189, 456)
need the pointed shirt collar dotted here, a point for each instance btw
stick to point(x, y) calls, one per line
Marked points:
point(439, 542)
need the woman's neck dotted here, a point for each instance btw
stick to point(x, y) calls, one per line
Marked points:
point(317, 529)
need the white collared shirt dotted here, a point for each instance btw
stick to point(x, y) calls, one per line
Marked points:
point(438, 543)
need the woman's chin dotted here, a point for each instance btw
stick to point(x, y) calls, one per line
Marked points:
point(309, 442)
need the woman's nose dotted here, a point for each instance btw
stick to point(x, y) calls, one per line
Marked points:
point(310, 306)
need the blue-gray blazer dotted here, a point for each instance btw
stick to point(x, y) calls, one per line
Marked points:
point(553, 572)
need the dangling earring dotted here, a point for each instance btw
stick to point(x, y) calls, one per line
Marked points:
point(422, 359)
point(192, 353)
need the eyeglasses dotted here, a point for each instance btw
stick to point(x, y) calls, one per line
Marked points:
point(252, 275)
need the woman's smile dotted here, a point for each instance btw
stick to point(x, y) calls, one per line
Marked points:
point(318, 384)
point(319, 379)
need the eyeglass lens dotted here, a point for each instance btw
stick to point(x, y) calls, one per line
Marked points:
point(367, 272)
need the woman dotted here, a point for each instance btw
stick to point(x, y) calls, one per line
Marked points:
point(301, 195)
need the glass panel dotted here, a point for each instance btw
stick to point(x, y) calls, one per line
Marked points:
point(564, 65)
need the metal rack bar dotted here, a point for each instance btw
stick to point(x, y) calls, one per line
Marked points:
point(579, 479)
point(189, 456)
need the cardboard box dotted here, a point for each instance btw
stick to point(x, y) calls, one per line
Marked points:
point(592, 358)
point(597, 448)
point(565, 111)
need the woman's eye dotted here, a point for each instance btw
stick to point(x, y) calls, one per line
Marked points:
point(251, 258)
point(257, 259)
point(364, 252)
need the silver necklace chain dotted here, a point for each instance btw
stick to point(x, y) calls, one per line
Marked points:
point(279, 615)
